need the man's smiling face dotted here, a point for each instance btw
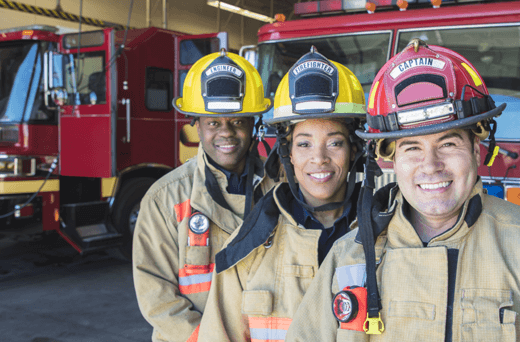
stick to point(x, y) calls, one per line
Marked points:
point(436, 173)
point(226, 140)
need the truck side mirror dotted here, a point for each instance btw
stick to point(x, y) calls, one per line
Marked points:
point(249, 53)
point(54, 92)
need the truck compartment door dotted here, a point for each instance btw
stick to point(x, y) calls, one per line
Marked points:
point(87, 119)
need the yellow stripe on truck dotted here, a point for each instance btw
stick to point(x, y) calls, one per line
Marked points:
point(28, 186)
point(107, 186)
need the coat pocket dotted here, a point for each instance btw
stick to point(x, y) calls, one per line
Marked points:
point(487, 315)
point(257, 303)
point(198, 255)
point(343, 335)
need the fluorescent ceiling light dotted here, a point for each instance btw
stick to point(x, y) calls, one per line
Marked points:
point(231, 8)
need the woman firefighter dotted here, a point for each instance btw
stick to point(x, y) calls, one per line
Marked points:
point(268, 264)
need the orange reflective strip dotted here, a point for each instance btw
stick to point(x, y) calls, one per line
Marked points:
point(194, 335)
point(269, 323)
point(195, 269)
point(182, 210)
point(195, 279)
point(268, 329)
point(195, 288)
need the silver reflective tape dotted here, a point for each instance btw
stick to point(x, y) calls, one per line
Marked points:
point(224, 105)
point(268, 334)
point(310, 105)
point(423, 114)
point(195, 279)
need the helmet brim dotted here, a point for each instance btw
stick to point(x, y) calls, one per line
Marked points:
point(178, 101)
point(432, 129)
point(302, 117)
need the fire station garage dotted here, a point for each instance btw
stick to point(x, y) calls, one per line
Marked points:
point(66, 226)
point(88, 123)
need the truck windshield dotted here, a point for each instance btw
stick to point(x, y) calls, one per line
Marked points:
point(85, 78)
point(21, 89)
point(363, 54)
point(495, 53)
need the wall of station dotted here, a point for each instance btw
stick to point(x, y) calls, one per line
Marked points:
point(193, 16)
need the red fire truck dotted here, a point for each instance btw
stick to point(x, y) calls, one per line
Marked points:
point(87, 125)
point(487, 33)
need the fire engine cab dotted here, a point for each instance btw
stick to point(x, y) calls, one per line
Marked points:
point(364, 34)
point(87, 125)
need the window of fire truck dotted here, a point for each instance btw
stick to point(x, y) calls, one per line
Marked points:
point(495, 53)
point(363, 53)
point(158, 89)
point(21, 86)
point(192, 50)
point(85, 78)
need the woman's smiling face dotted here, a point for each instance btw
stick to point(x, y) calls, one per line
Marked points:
point(321, 155)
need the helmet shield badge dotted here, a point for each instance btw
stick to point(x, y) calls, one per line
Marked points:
point(313, 84)
point(223, 86)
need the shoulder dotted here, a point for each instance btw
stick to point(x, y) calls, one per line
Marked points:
point(347, 245)
point(500, 211)
point(176, 183)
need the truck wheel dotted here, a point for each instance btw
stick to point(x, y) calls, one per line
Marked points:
point(126, 210)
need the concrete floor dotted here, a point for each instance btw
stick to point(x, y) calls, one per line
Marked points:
point(56, 296)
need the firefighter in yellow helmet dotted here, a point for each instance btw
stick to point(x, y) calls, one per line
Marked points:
point(270, 261)
point(433, 257)
point(188, 214)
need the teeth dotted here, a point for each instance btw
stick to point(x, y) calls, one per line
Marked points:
point(321, 175)
point(434, 186)
point(227, 146)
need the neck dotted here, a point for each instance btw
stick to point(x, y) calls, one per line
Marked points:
point(427, 228)
point(327, 218)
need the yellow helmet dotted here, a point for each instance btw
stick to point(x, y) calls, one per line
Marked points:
point(316, 87)
point(222, 84)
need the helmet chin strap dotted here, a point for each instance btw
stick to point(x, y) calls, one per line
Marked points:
point(284, 154)
point(366, 232)
point(493, 148)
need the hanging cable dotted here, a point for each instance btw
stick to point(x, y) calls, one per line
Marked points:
point(122, 46)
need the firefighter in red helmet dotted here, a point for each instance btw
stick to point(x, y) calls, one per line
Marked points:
point(434, 257)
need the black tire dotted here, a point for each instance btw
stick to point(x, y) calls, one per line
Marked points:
point(126, 210)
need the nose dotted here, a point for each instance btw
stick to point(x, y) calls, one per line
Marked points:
point(432, 162)
point(227, 129)
point(320, 155)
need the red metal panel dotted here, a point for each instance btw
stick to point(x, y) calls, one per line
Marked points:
point(86, 135)
point(36, 35)
point(307, 7)
point(331, 5)
point(87, 151)
point(448, 15)
point(502, 166)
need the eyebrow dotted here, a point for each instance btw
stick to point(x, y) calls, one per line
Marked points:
point(444, 137)
point(329, 134)
point(449, 136)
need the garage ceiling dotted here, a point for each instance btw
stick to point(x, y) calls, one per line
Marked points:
point(264, 6)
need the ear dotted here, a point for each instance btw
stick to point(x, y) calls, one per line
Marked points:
point(252, 127)
point(197, 124)
point(476, 149)
point(353, 151)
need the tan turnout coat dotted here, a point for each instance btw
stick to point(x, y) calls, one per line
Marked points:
point(170, 294)
point(413, 279)
point(266, 274)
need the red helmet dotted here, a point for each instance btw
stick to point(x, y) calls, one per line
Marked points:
point(425, 90)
